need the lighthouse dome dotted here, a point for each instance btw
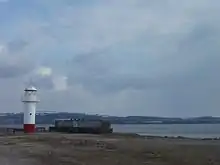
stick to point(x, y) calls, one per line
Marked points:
point(30, 88)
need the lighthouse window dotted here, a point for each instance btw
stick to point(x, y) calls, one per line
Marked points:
point(30, 113)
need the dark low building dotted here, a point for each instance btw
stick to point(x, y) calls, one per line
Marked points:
point(81, 126)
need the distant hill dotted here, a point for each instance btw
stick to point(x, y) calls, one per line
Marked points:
point(48, 118)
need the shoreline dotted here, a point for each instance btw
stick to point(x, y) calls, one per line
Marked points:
point(136, 135)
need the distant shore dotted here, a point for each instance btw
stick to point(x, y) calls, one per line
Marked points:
point(44, 118)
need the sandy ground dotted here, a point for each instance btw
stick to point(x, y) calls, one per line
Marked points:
point(72, 149)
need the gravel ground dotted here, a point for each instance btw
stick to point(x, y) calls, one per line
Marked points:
point(72, 149)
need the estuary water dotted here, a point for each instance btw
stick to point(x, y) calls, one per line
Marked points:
point(174, 130)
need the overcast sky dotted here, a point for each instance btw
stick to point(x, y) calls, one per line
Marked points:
point(118, 57)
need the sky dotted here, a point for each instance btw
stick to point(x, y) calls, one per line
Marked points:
point(118, 57)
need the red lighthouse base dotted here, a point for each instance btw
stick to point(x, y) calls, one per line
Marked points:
point(29, 128)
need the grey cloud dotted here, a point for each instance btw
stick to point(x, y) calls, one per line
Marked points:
point(108, 72)
point(16, 46)
point(13, 60)
point(8, 71)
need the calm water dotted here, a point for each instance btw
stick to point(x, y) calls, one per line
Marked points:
point(186, 130)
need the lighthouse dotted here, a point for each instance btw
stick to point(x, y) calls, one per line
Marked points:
point(30, 101)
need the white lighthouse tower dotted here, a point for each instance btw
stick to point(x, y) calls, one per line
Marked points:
point(30, 101)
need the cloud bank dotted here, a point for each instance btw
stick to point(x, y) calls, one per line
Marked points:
point(128, 57)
